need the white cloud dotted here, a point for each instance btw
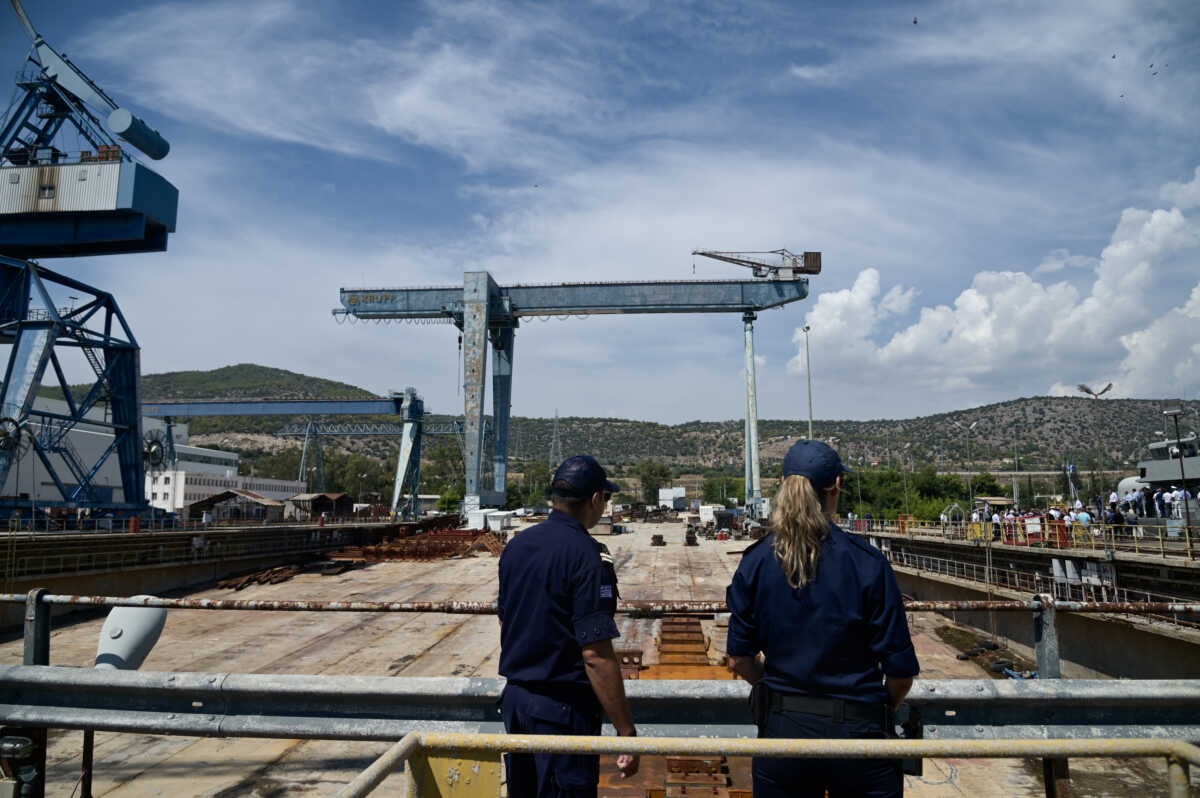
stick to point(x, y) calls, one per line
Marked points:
point(898, 299)
point(1059, 259)
point(1183, 195)
point(1009, 333)
point(825, 74)
point(1163, 359)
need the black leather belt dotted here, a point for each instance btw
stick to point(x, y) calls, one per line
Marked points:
point(834, 708)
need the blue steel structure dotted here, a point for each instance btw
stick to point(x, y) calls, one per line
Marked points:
point(59, 203)
point(408, 405)
point(489, 313)
point(37, 331)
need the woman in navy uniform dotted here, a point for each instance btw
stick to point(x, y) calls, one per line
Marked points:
point(823, 609)
point(558, 593)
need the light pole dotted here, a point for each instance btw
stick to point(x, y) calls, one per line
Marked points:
point(1016, 468)
point(1174, 413)
point(970, 482)
point(904, 472)
point(1096, 420)
point(808, 371)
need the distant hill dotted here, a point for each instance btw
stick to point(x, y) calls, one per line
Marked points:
point(244, 381)
point(1047, 431)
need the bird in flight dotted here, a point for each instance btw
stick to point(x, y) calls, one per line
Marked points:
point(914, 20)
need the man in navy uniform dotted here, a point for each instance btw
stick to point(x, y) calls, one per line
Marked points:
point(823, 609)
point(558, 594)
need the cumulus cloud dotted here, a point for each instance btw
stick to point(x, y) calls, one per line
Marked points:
point(1059, 259)
point(1183, 195)
point(1011, 332)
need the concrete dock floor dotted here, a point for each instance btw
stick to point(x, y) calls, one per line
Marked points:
point(132, 766)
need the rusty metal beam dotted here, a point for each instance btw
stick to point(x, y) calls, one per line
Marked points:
point(646, 609)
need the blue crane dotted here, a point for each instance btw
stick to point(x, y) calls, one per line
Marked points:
point(488, 313)
point(57, 200)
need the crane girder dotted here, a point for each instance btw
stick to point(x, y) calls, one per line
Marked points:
point(509, 303)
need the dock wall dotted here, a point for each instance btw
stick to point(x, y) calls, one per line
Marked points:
point(1091, 646)
point(161, 562)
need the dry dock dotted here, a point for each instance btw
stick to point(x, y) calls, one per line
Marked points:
point(442, 645)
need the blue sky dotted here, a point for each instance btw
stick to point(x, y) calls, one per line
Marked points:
point(996, 219)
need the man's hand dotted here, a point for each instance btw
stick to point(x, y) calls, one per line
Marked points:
point(749, 668)
point(604, 672)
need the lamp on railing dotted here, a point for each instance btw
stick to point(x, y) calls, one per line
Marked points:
point(970, 467)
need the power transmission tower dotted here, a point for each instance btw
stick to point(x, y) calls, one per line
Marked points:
point(556, 455)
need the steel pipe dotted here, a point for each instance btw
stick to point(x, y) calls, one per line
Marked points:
point(643, 608)
point(808, 749)
point(384, 708)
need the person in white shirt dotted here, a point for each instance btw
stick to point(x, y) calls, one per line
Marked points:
point(1113, 498)
point(1078, 505)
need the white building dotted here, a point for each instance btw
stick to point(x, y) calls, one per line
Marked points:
point(175, 489)
point(200, 473)
point(672, 498)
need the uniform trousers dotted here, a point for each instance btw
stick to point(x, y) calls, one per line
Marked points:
point(551, 775)
point(810, 778)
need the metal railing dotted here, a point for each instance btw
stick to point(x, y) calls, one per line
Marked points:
point(432, 757)
point(1162, 537)
point(1025, 582)
point(1049, 717)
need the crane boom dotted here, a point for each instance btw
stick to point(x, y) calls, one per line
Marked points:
point(789, 267)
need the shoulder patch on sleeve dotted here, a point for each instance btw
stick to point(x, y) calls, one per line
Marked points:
point(602, 550)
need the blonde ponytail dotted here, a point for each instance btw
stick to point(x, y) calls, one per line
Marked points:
point(799, 524)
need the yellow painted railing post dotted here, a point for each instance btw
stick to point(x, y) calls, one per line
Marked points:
point(454, 774)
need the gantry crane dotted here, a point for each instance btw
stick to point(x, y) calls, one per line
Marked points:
point(489, 313)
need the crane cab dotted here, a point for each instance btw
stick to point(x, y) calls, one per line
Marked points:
point(88, 203)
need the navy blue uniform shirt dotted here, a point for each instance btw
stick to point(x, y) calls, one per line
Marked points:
point(558, 592)
point(837, 636)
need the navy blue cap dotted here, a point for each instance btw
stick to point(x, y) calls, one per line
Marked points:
point(816, 460)
point(585, 476)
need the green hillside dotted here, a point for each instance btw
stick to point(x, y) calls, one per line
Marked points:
point(1045, 431)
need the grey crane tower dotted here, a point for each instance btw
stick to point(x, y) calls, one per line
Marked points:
point(487, 312)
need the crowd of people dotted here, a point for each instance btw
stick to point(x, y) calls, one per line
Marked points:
point(1144, 503)
point(1118, 513)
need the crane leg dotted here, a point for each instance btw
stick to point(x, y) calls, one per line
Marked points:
point(478, 289)
point(502, 366)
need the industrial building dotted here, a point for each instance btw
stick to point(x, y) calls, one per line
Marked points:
point(198, 473)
